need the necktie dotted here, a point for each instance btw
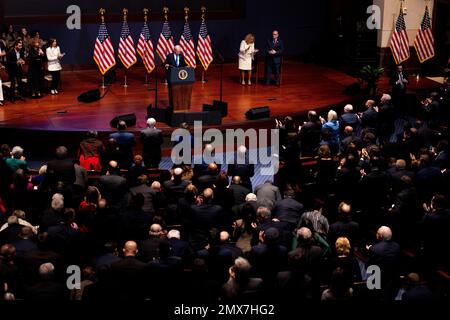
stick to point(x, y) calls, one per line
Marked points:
point(176, 60)
point(400, 75)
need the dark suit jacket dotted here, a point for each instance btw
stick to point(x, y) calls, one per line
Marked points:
point(385, 254)
point(152, 140)
point(11, 62)
point(397, 88)
point(288, 210)
point(310, 137)
point(48, 291)
point(149, 249)
point(113, 188)
point(203, 218)
point(126, 141)
point(60, 170)
point(245, 171)
point(278, 47)
point(170, 60)
point(369, 118)
point(349, 119)
point(239, 193)
point(129, 279)
point(149, 195)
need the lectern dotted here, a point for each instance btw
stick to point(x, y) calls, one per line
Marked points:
point(180, 81)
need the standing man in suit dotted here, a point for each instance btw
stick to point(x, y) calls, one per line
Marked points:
point(399, 82)
point(175, 59)
point(126, 141)
point(15, 60)
point(274, 51)
point(152, 140)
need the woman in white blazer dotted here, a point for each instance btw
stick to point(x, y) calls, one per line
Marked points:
point(54, 56)
point(246, 54)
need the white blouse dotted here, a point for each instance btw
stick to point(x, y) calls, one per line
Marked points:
point(53, 54)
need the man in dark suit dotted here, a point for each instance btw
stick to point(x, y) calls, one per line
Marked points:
point(126, 141)
point(344, 227)
point(268, 194)
point(348, 118)
point(152, 140)
point(61, 171)
point(242, 168)
point(204, 217)
point(15, 60)
point(386, 118)
point(130, 275)
point(180, 247)
point(288, 209)
point(310, 134)
point(148, 249)
point(47, 289)
point(239, 191)
point(386, 254)
point(207, 180)
point(147, 192)
point(274, 51)
point(175, 58)
point(398, 81)
point(369, 118)
point(113, 187)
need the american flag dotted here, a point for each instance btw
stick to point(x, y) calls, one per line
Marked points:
point(424, 41)
point(399, 40)
point(127, 52)
point(204, 49)
point(165, 42)
point(145, 48)
point(104, 51)
point(187, 44)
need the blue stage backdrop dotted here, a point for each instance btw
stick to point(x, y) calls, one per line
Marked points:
point(301, 23)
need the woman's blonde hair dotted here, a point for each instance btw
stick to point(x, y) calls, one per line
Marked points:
point(249, 38)
point(342, 246)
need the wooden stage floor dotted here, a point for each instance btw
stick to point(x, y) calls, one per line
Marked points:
point(304, 86)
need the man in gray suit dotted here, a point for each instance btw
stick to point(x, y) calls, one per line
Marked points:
point(151, 139)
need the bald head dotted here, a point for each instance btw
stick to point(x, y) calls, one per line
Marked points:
point(224, 236)
point(130, 249)
point(348, 108)
point(155, 230)
point(400, 164)
point(348, 130)
point(236, 180)
point(212, 168)
point(208, 194)
point(384, 233)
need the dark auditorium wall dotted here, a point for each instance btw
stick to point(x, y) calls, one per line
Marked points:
point(300, 24)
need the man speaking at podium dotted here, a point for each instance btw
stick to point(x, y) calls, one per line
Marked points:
point(175, 59)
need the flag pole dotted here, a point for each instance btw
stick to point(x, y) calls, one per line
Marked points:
point(203, 9)
point(102, 16)
point(166, 17)
point(145, 10)
point(125, 84)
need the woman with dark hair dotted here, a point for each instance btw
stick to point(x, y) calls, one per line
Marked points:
point(35, 75)
point(88, 207)
point(327, 167)
point(54, 56)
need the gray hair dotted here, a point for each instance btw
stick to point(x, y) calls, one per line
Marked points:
point(242, 264)
point(386, 97)
point(250, 197)
point(348, 108)
point(17, 152)
point(385, 233)
point(174, 233)
point(57, 203)
point(151, 122)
